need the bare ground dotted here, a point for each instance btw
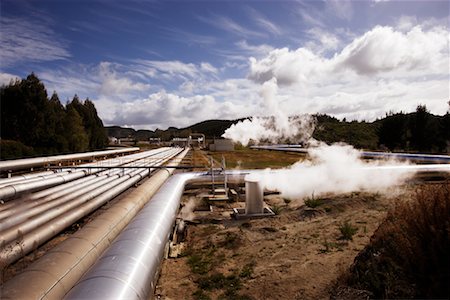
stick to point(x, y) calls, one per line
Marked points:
point(297, 254)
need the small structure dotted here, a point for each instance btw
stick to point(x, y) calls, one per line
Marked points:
point(221, 145)
point(254, 202)
point(181, 142)
point(198, 140)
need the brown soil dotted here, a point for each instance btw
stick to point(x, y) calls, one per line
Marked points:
point(297, 254)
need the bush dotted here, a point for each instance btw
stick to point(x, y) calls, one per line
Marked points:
point(13, 149)
point(312, 202)
point(347, 231)
point(408, 255)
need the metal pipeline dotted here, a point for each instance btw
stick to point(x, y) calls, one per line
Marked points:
point(18, 164)
point(129, 268)
point(60, 202)
point(60, 268)
point(34, 184)
point(125, 160)
point(60, 218)
point(73, 189)
point(19, 178)
point(435, 158)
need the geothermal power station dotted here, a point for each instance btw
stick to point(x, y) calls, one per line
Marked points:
point(129, 201)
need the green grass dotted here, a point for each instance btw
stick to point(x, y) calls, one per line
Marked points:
point(247, 270)
point(347, 231)
point(313, 202)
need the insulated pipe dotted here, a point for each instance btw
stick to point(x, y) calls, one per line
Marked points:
point(13, 190)
point(112, 162)
point(13, 208)
point(17, 164)
point(129, 268)
point(365, 154)
point(11, 229)
point(60, 268)
point(5, 181)
point(33, 239)
point(30, 209)
point(10, 191)
point(60, 190)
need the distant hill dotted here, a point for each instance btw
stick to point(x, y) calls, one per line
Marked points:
point(416, 131)
point(210, 128)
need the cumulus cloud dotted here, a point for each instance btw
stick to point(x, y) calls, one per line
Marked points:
point(288, 67)
point(24, 40)
point(322, 40)
point(163, 109)
point(381, 50)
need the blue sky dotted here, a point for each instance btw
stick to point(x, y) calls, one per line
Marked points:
point(149, 64)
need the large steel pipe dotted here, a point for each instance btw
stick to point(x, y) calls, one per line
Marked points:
point(18, 164)
point(67, 204)
point(71, 196)
point(60, 268)
point(17, 178)
point(128, 269)
point(10, 191)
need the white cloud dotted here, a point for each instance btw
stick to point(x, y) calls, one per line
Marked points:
point(385, 50)
point(163, 109)
point(6, 78)
point(322, 40)
point(406, 23)
point(381, 70)
point(112, 84)
point(169, 68)
point(380, 51)
point(24, 40)
point(343, 9)
point(264, 23)
point(255, 50)
point(229, 25)
point(208, 68)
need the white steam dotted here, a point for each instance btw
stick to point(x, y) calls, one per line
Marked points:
point(278, 128)
point(336, 168)
point(187, 211)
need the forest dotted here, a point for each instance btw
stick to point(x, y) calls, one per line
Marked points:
point(33, 124)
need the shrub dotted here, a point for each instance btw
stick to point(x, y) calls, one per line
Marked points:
point(247, 270)
point(408, 255)
point(276, 209)
point(347, 231)
point(312, 202)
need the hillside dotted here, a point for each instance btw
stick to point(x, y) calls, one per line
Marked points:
point(416, 131)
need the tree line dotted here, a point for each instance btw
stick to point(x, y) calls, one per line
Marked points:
point(419, 131)
point(34, 124)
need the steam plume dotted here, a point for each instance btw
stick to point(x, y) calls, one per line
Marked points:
point(336, 168)
point(278, 128)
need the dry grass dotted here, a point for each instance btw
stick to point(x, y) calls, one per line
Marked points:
point(256, 159)
point(408, 255)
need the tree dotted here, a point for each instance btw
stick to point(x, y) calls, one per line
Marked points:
point(75, 134)
point(392, 132)
point(423, 129)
